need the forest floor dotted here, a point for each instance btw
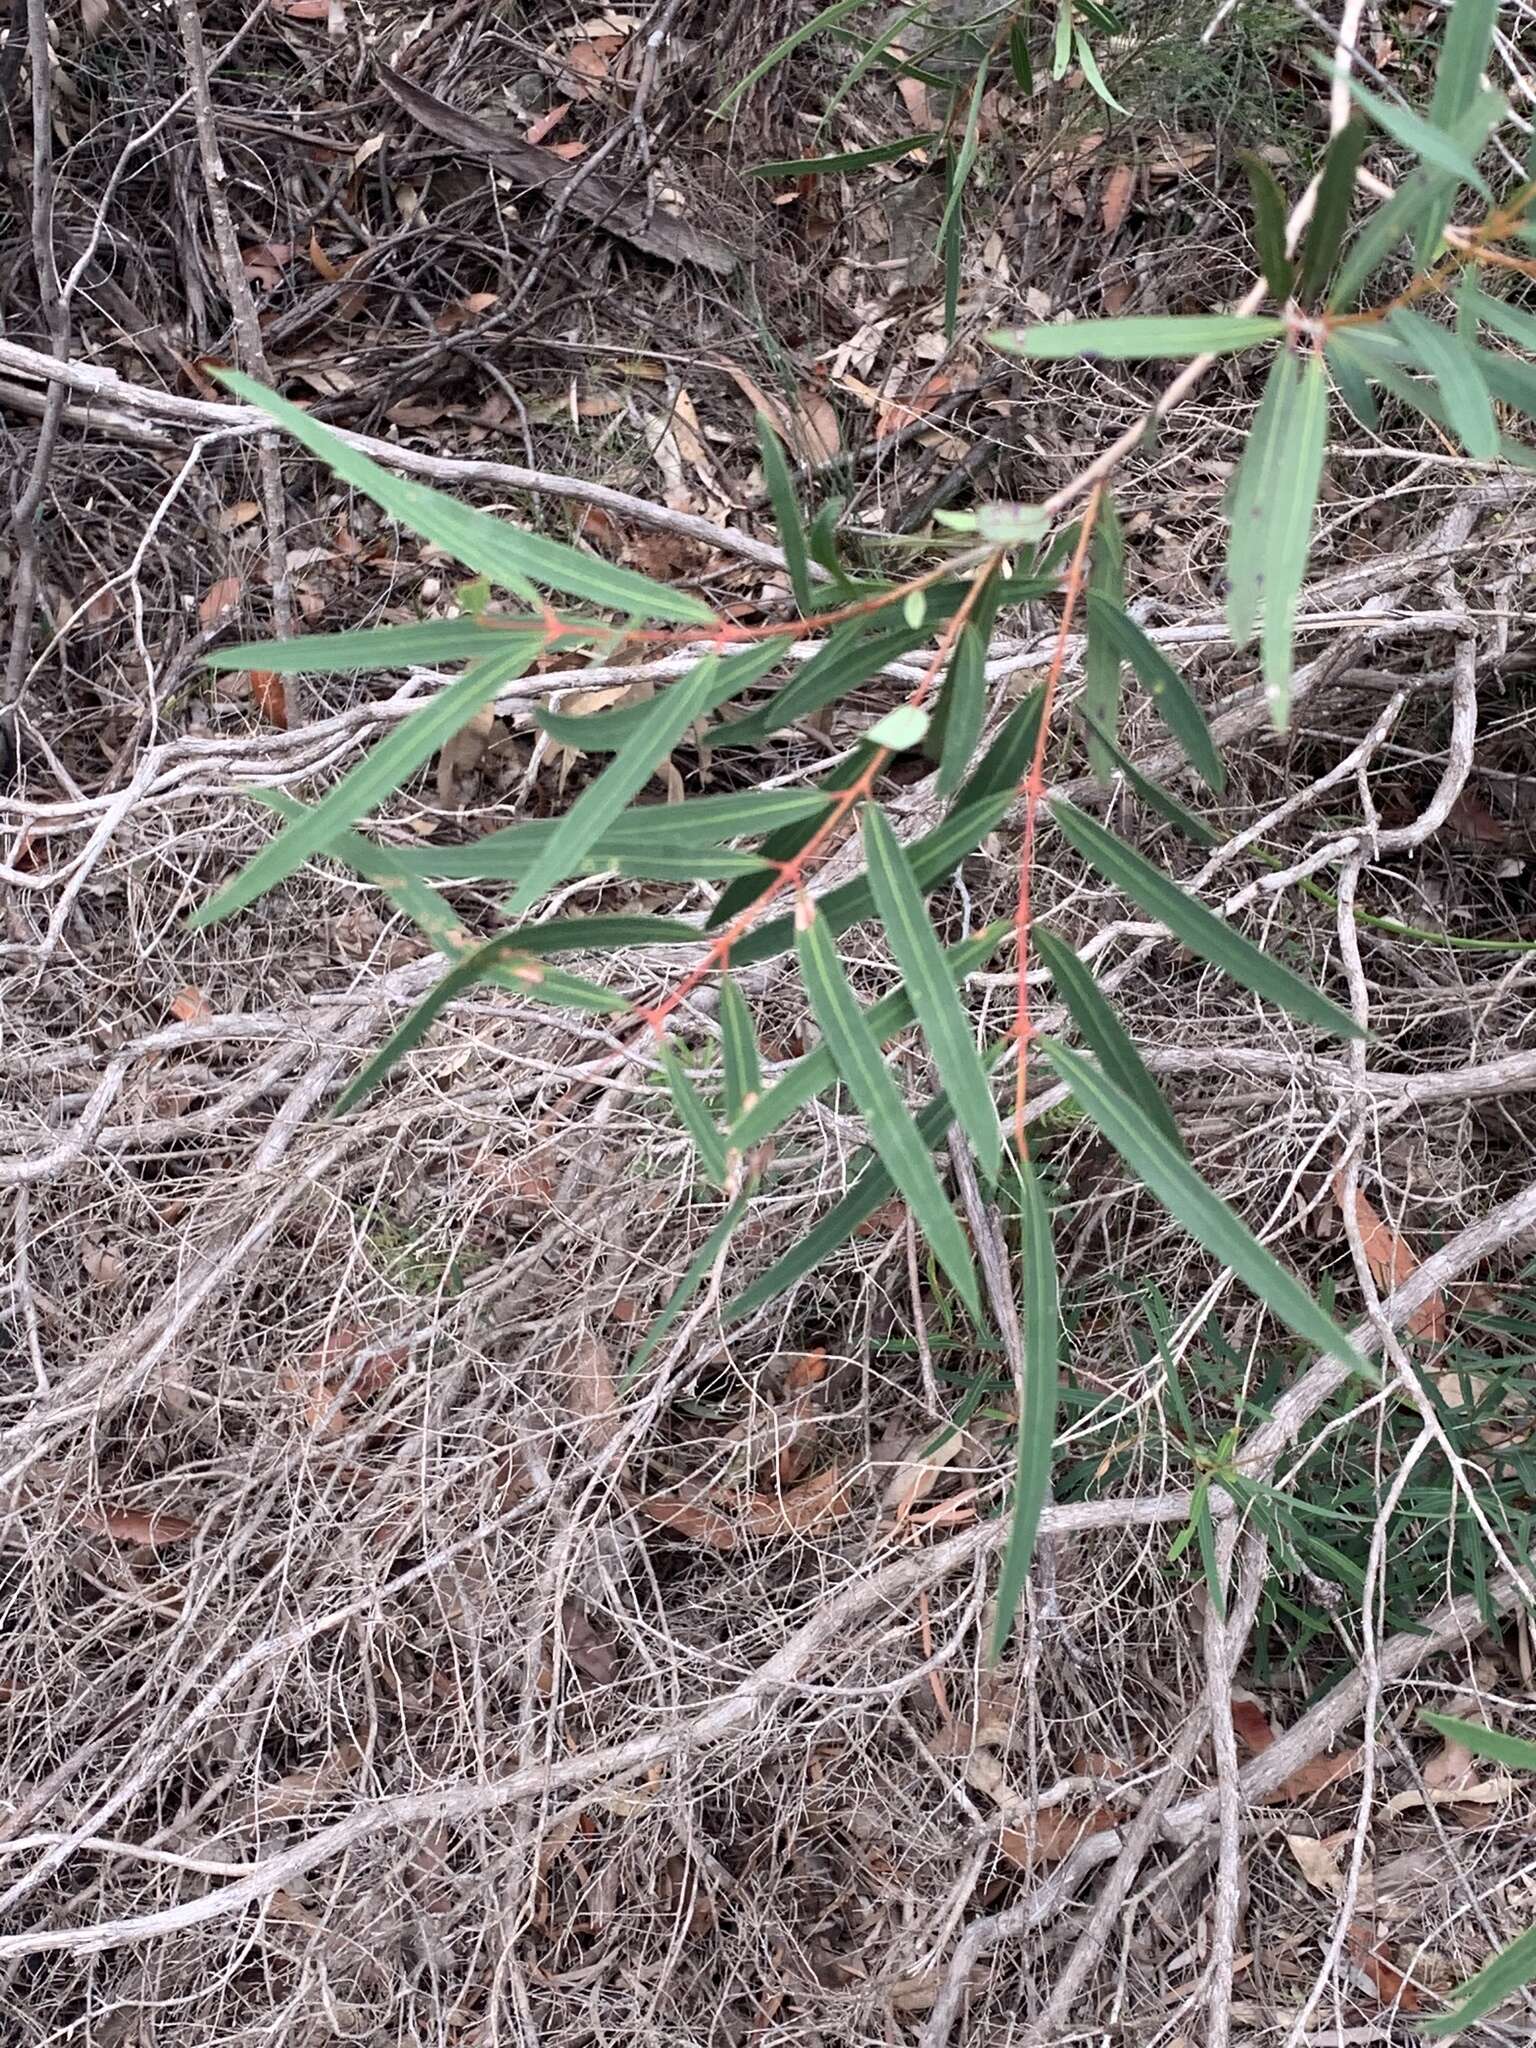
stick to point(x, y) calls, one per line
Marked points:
point(381, 1667)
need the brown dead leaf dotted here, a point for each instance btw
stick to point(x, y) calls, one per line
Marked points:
point(823, 1498)
point(599, 529)
point(191, 1006)
point(459, 761)
point(914, 97)
point(695, 1519)
point(1392, 1263)
point(546, 124)
point(320, 263)
point(459, 312)
point(1255, 1735)
point(809, 428)
point(896, 413)
point(1453, 1768)
point(808, 1370)
point(269, 697)
point(1053, 1834)
point(1388, 1984)
point(134, 1525)
point(1469, 818)
point(304, 10)
point(1318, 1861)
point(239, 514)
point(583, 1367)
point(264, 262)
point(106, 1267)
point(221, 598)
point(1118, 187)
point(917, 1474)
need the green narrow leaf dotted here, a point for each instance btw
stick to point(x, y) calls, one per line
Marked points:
point(1412, 202)
point(1433, 145)
point(505, 554)
point(925, 971)
point(1353, 386)
point(1209, 1563)
point(815, 1072)
point(1512, 1751)
point(503, 960)
point(871, 1187)
point(1170, 694)
point(963, 710)
point(1454, 367)
point(893, 1133)
point(1159, 799)
point(851, 655)
point(786, 511)
point(1511, 379)
point(845, 160)
point(1037, 1394)
point(822, 542)
point(1018, 57)
point(967, 153)
point(1061, 51)
point(1268, 225)
point(694, 1117)
point(1196, 926)
point(374, 778)
point(700, 1267)
point(930, 858)
point(625, 776)
point(1511, 321)
point(1510, 1971)
point(1103, 1033)
point(1289, 529)
point(1458, 80)
point(1090, 69)
point(1005, 763)
point(1330, 216)
point(1139, 336)
point(1197, 1207)
point(740, 1059)
point(434, 640)
point(827, 18)
point(608, 732)
point(949, 243)
point(1104, 658)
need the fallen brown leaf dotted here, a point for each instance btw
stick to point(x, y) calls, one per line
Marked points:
point(461, 756)
point(1118, 187)
point(238, 514)
point(1386, 1981)
point(809, 428)
point(547, 123)
point(1392, 1262)
point(191, 1006)
point(695, 1519)
point(106, 1267)
point(134, 1525)
point(1053, 1834)
point(221, 598)
point(268, 697)
point(1255, 1735)
point(583, 1367)
point(821, 1499)
point(1318, 1862)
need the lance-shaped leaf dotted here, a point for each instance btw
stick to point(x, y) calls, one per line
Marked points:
point(1458, 80)
point(1105, 656)
point(1199, 929)
point(694, 1117)
point(931, 986)
point(786, 511)
point(1037, 1391)
point(624, 777)
point(742, 1063)
point(1330, 215)
point(700, 1266)
point(1200, 1210)
point(1139, 336)
point(505, 554)
point(1454, 367)
point(433, 640)
point(1170, 695)
point(606, 732)
point(374, 778)
point(844, 160)
point(1268, 224)
point(1438, 147)
point(1103, 1033)
point(892, 1129)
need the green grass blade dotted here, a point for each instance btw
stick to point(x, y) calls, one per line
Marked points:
point(625, 776)
point(786, 511)
point(1330, 216)
point(1037, 1392)
point(892, 1130)
point(1160, 800)
point(1458, 80)
point(1432, 145)
point(374, 778)
point(1512, 1751)
point(504, 554)
point(433, 640)
point(1268, 225)
point(1104, 659)
point(1199, 1209)
point(1170, 694)
point(1510, 1971)
point(1454, 367)
point(925, 970)
point(1103, 1033)
point(1196, 926)
point(607, 732)
point(845, 160)
point(700, 1266)
point(1139, 336)
point(1297, 477)
point(816, 1071)
point(742, 1063)
point(1019, 58)
point(930, 858)
point(967, 153)
point(694, 1117)
point(964, 708)
point(827, 18)
point(950, 243)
